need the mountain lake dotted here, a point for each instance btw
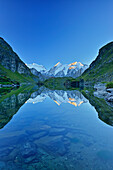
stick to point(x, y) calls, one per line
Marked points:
point(53, 130)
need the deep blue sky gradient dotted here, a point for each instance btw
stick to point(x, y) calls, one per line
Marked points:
point(48, 31)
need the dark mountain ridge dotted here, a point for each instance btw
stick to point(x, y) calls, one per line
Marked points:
point(10, 60)
point(101, 69)
point(12, 67)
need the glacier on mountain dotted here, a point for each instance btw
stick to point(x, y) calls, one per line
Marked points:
point(61, 70)
point(39, 68)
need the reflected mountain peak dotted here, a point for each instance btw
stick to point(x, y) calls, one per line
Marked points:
point(72, 99)
point(73, 103)
point(56, 102)
point(59, 97)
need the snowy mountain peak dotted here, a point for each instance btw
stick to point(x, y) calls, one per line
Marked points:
point(72, 64)
point(39, 68)
point(76, 63)
point(74, 69)
point(57, 64)
point(81, 64)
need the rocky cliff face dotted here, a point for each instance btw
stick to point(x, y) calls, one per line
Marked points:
point(36, 73)
point(10, 60)
point(101, 69)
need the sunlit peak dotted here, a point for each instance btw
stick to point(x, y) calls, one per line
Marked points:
point(57, 64)
point(81, 64)
point(72, 64)
point(72, 99)
point(72, 67)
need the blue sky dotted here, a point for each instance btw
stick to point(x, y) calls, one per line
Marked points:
point(48, 31)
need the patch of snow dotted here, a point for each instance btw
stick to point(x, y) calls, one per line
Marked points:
point(39, 68)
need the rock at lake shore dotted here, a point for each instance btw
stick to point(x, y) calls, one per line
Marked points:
point(102, 92)
point(110, 90)
point(110, 99)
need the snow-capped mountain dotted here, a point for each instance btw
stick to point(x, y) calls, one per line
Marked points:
point(67, 70)
point(39, 68)
point(59, 96)
point(58, 68)
point(61, 70)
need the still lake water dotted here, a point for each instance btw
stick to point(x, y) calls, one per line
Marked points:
point(54, 130)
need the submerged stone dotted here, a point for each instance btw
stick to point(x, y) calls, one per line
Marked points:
point(110, 99)
point(30, 159)
point(28, 149)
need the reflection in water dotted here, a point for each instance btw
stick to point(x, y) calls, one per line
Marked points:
point(11, 102)
point(45, 136)
point(10, 105)
point(105, 111)
point(59, 96)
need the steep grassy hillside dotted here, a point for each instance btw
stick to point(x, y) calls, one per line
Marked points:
point(10, 77)
point(101, 69)
point(12, 69)
point(10, 60)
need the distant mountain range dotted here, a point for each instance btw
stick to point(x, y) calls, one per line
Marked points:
point(60, 70)
point(39, 68)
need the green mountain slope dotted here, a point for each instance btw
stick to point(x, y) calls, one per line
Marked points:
point(101, 69)
point(7, 75)
point(10, 60)
point(12, 68)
